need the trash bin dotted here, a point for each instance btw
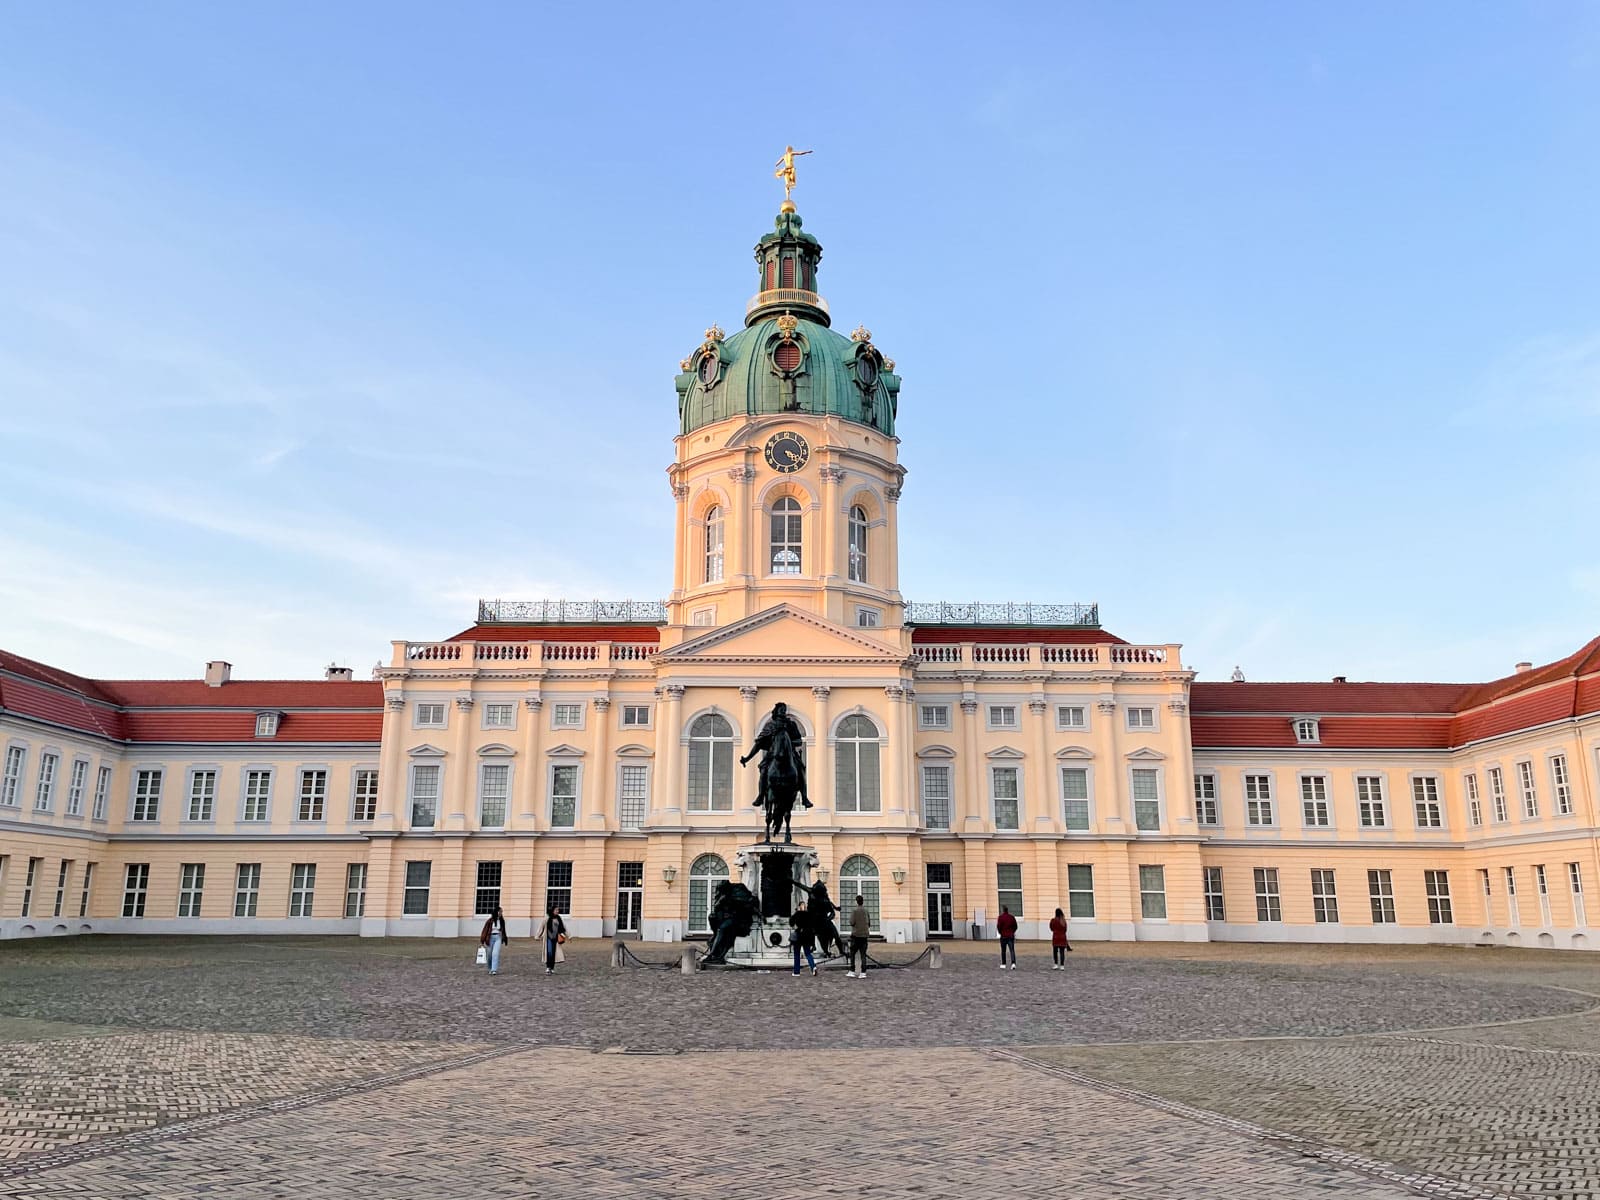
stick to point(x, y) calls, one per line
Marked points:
point(977, 932)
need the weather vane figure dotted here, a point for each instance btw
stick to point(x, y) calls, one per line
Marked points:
point(785, 172)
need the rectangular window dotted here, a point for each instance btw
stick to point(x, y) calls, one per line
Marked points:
point(302, 888)
point(364, 802)
point(1080, 891)
point(1141, 718)
point(1324, 897)
point(135, 886)
point(146, 796)
point(424, 795)
point(703, 616)
point(494, 790)
point(1146, 799)
point(486, 895)
point(1474, 802)
point(1314, 801)
point(1530, 796)
point(936, 796)
point(44, 796)
point(1006, 796)
point(867, 618)
point(563, 797)
point(1438, 897)
point(1497, 793)
point(1561, 784)
point(102, 793)
point(1075, 798)
point(1153, 893)
point(634, 797)
point(1380, 890)
point(246, 889)
point(635, 716)
point(202, 795)
point(88, 888)
point(191, 886)
point(1216, 910)
point(355, 890)
point(568, 716)
point(266, 724)
point(1305, 731)
point(558, 888)
point(1425, 797)
point(1575, 882)
point(934, 716)
point(313, 796)
point(430, 716)
point(419, 876)
point(1205, 799)
point(61, 885)
point(1002, 716)
point(1369, 801)
point(1543, 885)
point(1258, 800)
point(1269, 906)
point(1008, 887)
point(1072, 716)
point(75, 788)
point(499, 716)
point(1488, 894)
point(27, 885)
point(257, 795)
point(16, 759)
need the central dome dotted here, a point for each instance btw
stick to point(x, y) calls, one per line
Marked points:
point(786, 359)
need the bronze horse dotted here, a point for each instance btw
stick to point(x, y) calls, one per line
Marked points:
point(785, 782)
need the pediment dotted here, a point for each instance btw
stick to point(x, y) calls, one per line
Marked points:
point(426, 751)
point(635, 751)
point(496, 750)
point(1005, 752)
point(564, 750)
point(1074, 752)
point(784, 634)
point(936, 752)
point(1145, 754)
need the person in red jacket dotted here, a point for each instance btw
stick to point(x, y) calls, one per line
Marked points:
point(1058, 941)
point(1007, 927)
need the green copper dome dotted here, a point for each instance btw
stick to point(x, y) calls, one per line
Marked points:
point(786, 358)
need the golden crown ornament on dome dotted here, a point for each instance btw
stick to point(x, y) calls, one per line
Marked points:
point(787, 324)
point(861, 334)
point(686, 364)
point(715, 333)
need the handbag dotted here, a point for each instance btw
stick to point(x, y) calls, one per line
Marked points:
point(561, 939)
point(483, 956)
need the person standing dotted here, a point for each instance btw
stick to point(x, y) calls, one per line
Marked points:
point(1058, 941)
point(494, 937)
point(802, 937)
point(1007, 927)
point(860, 930)
point(554, 932)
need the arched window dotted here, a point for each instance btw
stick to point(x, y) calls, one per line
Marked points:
point(855, 758)
point(704, 874)
point(858, 544)
point(786, 272)
point(711, 764)
point(786, 536)
point(714, 546)
point(858, 877)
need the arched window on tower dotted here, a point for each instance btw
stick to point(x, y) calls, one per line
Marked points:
point(711, 764)
point(856, 779)
point(714, 545)
point(786, 272)
point(859, 877)
point(704, 874)
point(858, 544)
point(786, 536)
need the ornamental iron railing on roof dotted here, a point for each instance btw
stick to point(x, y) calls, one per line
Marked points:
point(1083, 615)
point(652, 612)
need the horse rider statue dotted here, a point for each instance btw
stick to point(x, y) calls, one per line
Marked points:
point(783, 769)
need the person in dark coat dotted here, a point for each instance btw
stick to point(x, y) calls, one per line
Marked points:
point(554, 932)
point(1058, 941)
point(493, 938)
point(802, 937)
point(1006, 926)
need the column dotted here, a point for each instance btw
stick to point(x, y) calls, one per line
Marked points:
point(890, 556)
point(971, 806)
point(666, 806)
point(895, 774)
point(462, 791)
point(819, 765)
point(1180, 791)
point(381, 904)
point(828, 567)
point(745, 526)
point(601, 783)
point(747, 716)
point(1044, 805)
point(393, 811)
point(681, 576)
point(1108, 781)
point(530, 776)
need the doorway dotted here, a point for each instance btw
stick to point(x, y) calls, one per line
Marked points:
point(630, 897)
point(941, 901)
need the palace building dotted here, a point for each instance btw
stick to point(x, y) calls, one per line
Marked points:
point(960, 756)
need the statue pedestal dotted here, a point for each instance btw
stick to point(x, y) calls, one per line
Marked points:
point(775, 872)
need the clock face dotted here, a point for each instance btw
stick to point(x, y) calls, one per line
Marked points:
point(787, 451)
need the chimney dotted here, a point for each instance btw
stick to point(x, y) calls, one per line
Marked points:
point(1524, 667)
point(338, 674)
point(218, 672)
point(1341, 679)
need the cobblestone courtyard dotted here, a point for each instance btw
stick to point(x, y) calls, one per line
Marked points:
point(323, 1067)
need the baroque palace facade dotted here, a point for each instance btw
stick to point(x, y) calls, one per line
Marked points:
point(961, 757)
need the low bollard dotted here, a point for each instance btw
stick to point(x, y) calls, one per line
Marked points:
point(935, 957)
point(690, 963)
point(618, 955)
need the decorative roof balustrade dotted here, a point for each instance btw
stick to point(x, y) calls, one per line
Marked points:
point(544, 612)
point(1009, 655)
point(943, 613)
point(513, 656)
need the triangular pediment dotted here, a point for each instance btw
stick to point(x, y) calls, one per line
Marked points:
point(426, 751)
point(1006, 752)
point(784, 634)
point(564, 751)
point(1145, 754)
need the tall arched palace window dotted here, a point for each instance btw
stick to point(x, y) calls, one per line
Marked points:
point(786, 536)
point(711, 764)
point(704, 874)
point(714, 546)
point(858, 544)
point(859, 877)
point(855, 757)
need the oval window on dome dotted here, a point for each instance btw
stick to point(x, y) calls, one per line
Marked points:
point(708, 368)
point(787, 356)
point(867, 370)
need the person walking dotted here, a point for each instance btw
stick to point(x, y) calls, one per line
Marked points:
point(1058, 941)
point(1006, 925)
point(860, 930)
point(802, 938)
point(554, 932)
point(493, 938)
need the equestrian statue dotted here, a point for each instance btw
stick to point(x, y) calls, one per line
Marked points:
point(734, 912)
point(783, 770)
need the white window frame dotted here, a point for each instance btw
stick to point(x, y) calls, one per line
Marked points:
point(793, 522)
point(1499, 803)
point(143, 802)
point(1560, 783)
point(491, 706)
point(713, 564)
point(244, 793)
point(1469, 788)
point(135, 889)
point(1207, 809)
point(1269, 896)
point(191, 888)
point(1128, 719)
point(1160, 801)
point(77, 786)
point(1527, 789)
point(938, 723)
point(44, 792)
point(558, 764)
point(1074, 892)
point(994, 797)
point(414, 768)
point(319, 811)
point(1541, 884)
point(868, 617)
point(1211, 887)
point(1064, 722)
point(355, 890)
point(1307, 731)
point(62, 878)
point(948, 799)
point(1324, 896)
point(1308, 781)
point(302, 889)
point(408, 889)
point(560, 709)
point(648, 721)
point(858, 560)
point(1380, 896)
point(1441, 909)
point(246, 889)
point(1513, 907)
point(1365, 808)
point(190, 795)
point(1146, 892)
point(1421, 779)
point(102, 793)
point(640, 770)
point(357, 774)
point(704, 617)
point(266, 724)
point(1266, 803)
point(16, 766)
point(424, 709)
point(1087, 798)
point(708, 803)
point(484, 767)
point(860, 802)
point(1580, 918)
point(992, 725)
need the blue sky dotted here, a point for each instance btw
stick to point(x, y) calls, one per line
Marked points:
point(1274, 329)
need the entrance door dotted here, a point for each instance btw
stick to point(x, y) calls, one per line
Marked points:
point(941, 901)
point(630, 897)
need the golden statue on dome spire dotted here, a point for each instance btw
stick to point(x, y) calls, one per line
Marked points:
point(785, 172)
